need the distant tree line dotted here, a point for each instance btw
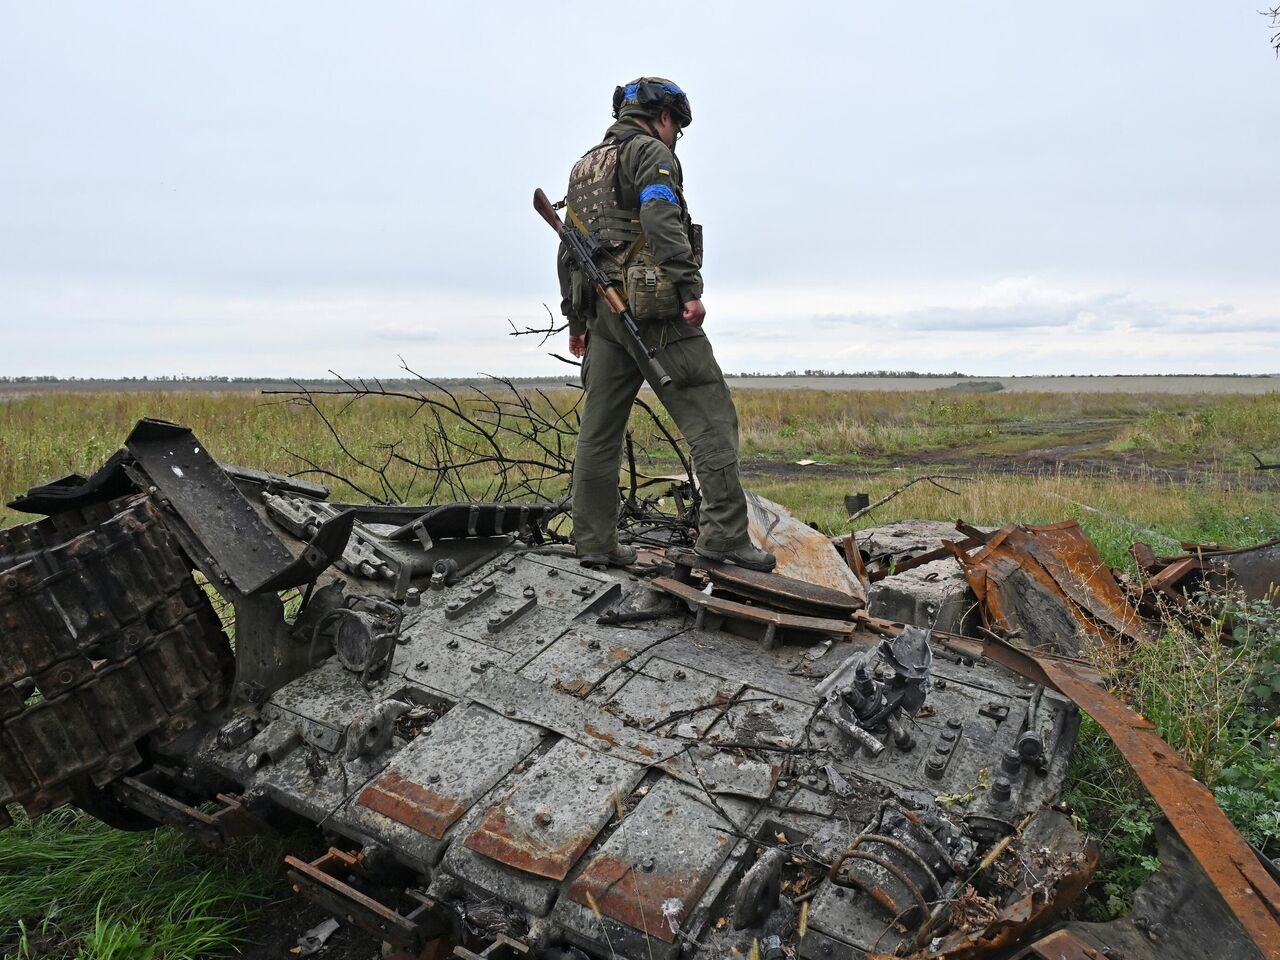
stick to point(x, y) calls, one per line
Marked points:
point(846, 373)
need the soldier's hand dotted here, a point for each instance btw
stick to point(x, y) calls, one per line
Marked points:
point(694, 313)
point(578, 345)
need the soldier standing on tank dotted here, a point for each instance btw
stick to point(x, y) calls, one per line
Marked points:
point(627, 192)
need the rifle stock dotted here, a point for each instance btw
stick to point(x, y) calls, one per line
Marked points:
point(584, 250)
point(547, 210)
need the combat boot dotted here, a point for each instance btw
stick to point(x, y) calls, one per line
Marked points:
point(620, 556)
point(748, 555)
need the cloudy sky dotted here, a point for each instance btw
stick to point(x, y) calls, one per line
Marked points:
point(279, 189)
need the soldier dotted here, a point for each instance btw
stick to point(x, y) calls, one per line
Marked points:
point(627, 193)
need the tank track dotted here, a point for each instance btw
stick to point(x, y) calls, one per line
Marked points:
point(106, 641)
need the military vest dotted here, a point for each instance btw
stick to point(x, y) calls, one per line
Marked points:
point(594, 202)
point(595, 205)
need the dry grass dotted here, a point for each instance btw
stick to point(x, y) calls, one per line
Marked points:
point(46, 435)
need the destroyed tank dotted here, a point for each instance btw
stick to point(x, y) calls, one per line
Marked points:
point(512, 755)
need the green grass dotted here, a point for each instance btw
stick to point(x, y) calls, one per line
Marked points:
point(73, 887)
point(1225, 432)
point(1216, 704)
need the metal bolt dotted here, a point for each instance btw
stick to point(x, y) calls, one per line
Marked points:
point(553, 572)
point(944, 749)
point(783, 784)
point(954, 724)
point(647, 864)
point(593, 645)
point(1011, 762)
point(486, 584)
point(452, 644)
point(453, 606)
point(530, 593)
point(421, 664)
point(933, 769)
point(679, 675)
point(506, 611)
point(778, 706)
point(1001, 790)
point(413, 597)
point(433, 778)
point(542, 819)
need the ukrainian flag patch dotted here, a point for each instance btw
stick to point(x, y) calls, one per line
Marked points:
point(664, 170)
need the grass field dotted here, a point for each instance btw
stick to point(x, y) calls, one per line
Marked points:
point(1130, 466)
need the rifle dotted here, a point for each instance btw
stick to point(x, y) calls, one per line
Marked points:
point(584, 249)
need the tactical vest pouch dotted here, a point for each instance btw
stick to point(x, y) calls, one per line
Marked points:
point(581, 294)
point(650, 292)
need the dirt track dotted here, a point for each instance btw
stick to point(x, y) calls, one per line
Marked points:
point(1087, 458)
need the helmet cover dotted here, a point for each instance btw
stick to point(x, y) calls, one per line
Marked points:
point(648, 97)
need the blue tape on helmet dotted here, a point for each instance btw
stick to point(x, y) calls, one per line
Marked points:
point(631, 91)
point(658, 191)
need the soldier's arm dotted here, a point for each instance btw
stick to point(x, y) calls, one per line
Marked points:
point(657, 182)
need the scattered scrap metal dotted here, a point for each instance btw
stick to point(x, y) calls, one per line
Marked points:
point(513, 756)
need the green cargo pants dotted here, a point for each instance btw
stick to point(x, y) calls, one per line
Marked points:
point(697, 399)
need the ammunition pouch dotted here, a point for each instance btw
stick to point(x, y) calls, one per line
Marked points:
point(695, 242)
point(650, 292)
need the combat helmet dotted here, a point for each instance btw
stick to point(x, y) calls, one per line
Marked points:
point(648, 97)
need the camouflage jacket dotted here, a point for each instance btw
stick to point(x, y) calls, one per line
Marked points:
point(650, 180)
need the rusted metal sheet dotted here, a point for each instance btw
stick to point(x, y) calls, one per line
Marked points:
point(803, 553)
point(1225, 856)
point(666, 850)
point(440, 776)
point(731, 608)
point(1044, 582)
point(1255, 570)
point(920, 559)
point(1060, 945)
point(784, 592)
point(320, 882)
point(428, 811)
point(1073, 561)
point(545, 824)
